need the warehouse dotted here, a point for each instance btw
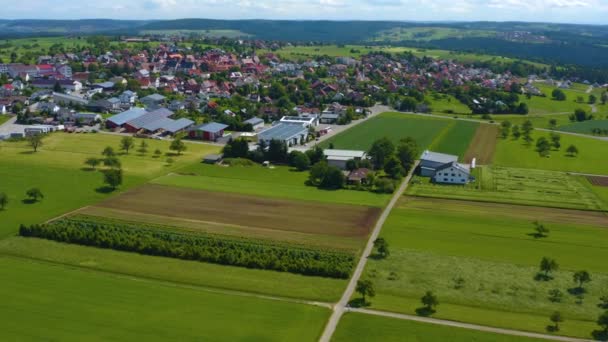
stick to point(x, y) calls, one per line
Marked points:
point(291, 134)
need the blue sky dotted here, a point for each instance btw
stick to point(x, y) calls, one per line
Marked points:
point(570, 11)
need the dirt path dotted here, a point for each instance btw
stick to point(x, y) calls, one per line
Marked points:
point(466, 325)
point(339, 308)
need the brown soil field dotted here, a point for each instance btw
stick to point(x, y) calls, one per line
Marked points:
point(483, 145)
point(214, 208)
point(598, 181)
point(570, 216)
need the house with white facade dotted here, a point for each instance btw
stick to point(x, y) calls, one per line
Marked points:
point(444, 168)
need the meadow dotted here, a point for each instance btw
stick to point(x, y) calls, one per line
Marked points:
point(69, 305)
point(585, 127)
point(447, 104)
point(457, 139)
point(494, 250)
point(515, 153)
point(57, 170)
point(516, 186)
point(277, 182)
point(362, 327)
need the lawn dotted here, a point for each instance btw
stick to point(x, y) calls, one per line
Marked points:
point(591, 157)
point(457, 139)
point(517, 186)
point(44, 302)
point(278, 182)
point(395, 126)
point(584, 127)
point(57, 170)
point(178, 271)
point(363, 327)
point(447, 104)
point(493, 250)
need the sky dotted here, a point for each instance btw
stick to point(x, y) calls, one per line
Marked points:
point(562, 11)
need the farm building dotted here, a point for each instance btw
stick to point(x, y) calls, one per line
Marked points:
point(255, 122)
point(149, 121)
point(209, 131)
point(120, 119)
point(291, 134)
point(444, 168)
point(339, 158)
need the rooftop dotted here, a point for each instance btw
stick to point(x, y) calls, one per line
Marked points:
point(438, 157)
point(212, 127)
point(124, 117)
point(344, 154)
point(283, 131)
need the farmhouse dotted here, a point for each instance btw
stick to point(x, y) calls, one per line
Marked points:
point(444, 168)
point(339, 158)
point(290, 133)
point(209, 131)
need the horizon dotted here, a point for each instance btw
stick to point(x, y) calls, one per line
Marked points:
point(585, 12)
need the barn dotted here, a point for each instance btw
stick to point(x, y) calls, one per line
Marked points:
point(209, 131)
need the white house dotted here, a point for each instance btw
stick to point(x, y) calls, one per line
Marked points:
point(453, 173)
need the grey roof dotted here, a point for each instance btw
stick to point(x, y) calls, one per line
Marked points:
point(114, 100)
point(343, 154)
point(59, 97)
point(153, 97)
point(124, 117)
point(147, 120)
point(330, 116)
point(85, 115)
point(283, 131)
point(456, 165)
point(104, 84)
point(212, 127)
point(178, 125)
point(156, 124)
point(163, 111)
point(438, 157)
point(254, 121)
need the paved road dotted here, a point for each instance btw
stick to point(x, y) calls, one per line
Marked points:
point(339, 308)
point(11, 127)
point(466, 325)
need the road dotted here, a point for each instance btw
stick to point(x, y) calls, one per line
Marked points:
point(11, 127)
point(339, 308)
point(466, 325)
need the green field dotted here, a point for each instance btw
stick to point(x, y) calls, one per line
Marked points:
point(517, 186)
point(492, 248)
point(447, 104)
point(4, 118)
point(50, 302)
point(585, 127)
point(591, 159)
point(363, 327)
point(395, 126)
point(277, 182)
point(457, 139)
point(399, 34)
point(57, 170)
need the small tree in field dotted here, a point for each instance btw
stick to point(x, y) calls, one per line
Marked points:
point(602, 321)
point(143, 147)
point(572, 151)
point(35, 141)
point(381, 247)
point(108, 152)
point(429, 300)
point(92, 162)
point(581, 277)
point(3, 200)
point(548, 265)
point(113, 178)
point(126, 143)
point(157, 153)
point(366, 289)
point(34, 194)
point(541, 230)
point(556, 318)
point(178, 146)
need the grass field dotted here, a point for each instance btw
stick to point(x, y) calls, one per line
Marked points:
point(517, 186)
point(395, 126)
point(447, 104)
point(277, 182)
point(4, 118)
point(69, 305)
point(340, 226)
point(457, 139)
point(363, 327)
point(178, 271)
point(57, 170)
point(399, 34)
point(492, 248)
point(483, 145)
point(584, 127)
point(514, 153)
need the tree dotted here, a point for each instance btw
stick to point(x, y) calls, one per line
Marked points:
point(34, 194)
point(429, 300)
point(126, 143)
point(581, 277)
point(381, 247)
point(603, 302)
point(558, 95)
point(366, 289)
point(543, 147)
point(380, 151)
point(604, 97)
point(143, 147)
point(556, 140)
point(157, 153)
point(572, 150)
point(556, 318)
point(541, 230)
point(317, 173)
point(299, 160)
point(108, 152)
point(92, 162)
point(334, 179)
point(112, 162)
point(237, 148)
point(602, 321)
point(277, 151)
point(393, 168)
point(315, 155)
point(548, 265)
point(113, 178)
point(407, 152)
point(35, 141)
point(3, 200)
point(505, 129)
point(556, 295)
point(526, 129)
point(178, 146)
point(515, 132)
point(592, 99)
point(552, 123)
point(580, 115)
